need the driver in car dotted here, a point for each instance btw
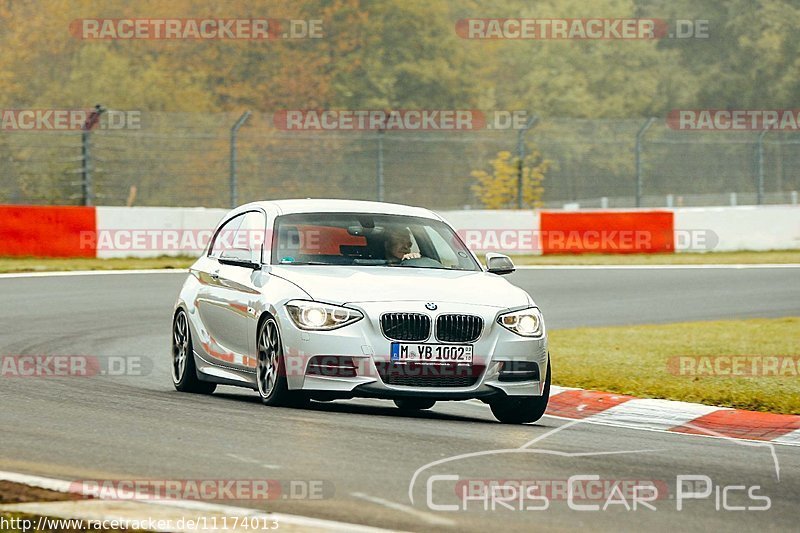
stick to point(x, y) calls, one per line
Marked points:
point(398, 246)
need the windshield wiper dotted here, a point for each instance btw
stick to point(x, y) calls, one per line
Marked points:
point(416, 266)
point(302, 263)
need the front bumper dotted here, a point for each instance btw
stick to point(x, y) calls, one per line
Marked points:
point(364, 342)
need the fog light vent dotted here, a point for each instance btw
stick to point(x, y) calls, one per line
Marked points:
point(332, 366)
point(519, 371)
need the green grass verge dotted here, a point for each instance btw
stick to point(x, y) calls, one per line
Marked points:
point(635, 360)
point(49, 264)
point(774, 256)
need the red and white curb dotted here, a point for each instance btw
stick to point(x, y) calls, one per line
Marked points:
point(672, 416)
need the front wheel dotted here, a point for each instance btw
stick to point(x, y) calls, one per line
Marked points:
point(271, 369)
point(184, 372)
point(522, 409)
point(414, 404)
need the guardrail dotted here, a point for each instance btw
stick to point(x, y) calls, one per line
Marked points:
point(65, 231)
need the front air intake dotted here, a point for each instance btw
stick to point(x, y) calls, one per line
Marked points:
point(406, 326)
point(458, 328)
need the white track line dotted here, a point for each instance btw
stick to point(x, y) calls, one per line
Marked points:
point(59, 485)
point(427, 517)
point(792, 438)
point(253, 461)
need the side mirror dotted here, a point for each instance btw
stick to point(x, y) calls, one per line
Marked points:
point(239, 263)
point(499, 264)
point(239, 257)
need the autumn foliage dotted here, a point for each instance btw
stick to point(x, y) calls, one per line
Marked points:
point(498, 188)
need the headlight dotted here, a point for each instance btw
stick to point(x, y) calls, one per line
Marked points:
point(320, 317)
point(527, 322)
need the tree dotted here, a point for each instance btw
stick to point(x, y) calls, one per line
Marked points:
point(498, 188)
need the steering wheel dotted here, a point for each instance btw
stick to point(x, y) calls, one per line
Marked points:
point(422, 262)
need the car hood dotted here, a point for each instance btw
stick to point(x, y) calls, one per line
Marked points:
point(345, 284)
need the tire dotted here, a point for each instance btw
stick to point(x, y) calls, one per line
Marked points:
point(414, 404)
point(271, 380)
point(184, 371)
point(522, 409)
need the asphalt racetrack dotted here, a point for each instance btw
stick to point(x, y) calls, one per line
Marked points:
point(365, 455)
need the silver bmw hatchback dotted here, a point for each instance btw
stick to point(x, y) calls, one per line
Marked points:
point(333, 299)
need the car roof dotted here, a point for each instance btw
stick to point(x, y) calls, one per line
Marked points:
point(319, 205)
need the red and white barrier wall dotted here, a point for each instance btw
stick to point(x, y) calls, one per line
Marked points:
point(700, 229)
point(51, 231)
point(61, 231)
point(742, 228)
point(154, 231)
point(55, 231)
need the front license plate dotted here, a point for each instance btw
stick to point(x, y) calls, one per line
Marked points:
point(432, 353)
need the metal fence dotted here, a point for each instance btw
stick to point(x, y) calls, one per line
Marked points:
point(185, 160)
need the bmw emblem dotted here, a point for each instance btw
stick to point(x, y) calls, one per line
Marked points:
point(431, 306)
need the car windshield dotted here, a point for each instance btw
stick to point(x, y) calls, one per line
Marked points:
point(363, 239)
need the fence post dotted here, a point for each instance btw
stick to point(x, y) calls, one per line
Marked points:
point(760, 154)
point(86, 172)
point(639, 139)
point(379, 170)
point(87, 193)
point(233, 177)
point(521, 157)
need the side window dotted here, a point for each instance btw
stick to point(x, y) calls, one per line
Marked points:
point(446, 254)
point(241, 238)
point(223, 240)
point(249, 240)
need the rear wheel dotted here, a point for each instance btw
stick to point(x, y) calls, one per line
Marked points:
point(271, 369)
point(414, 404)
point(522, 409)
point(184, 372)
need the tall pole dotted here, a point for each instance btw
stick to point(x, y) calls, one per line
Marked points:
point(760, 153)
point(87, 193)
point(639, 139)
point(379, 173)
point(233, 177)
point(521, 157)
point(86, 172)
